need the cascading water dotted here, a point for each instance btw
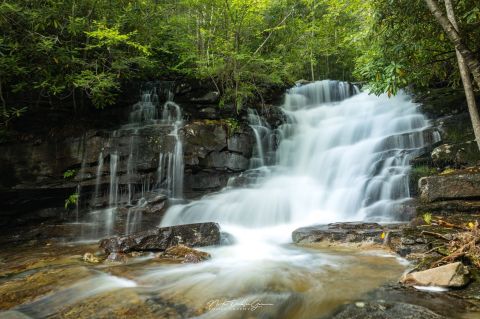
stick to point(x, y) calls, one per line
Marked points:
point(124, 161)
point(343, 155)
point(339, 159)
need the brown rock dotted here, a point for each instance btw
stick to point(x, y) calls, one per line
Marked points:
point(185, 254)
point(453, 275)
point(449, 187)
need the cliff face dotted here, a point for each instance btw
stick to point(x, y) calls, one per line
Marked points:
point(201, 144)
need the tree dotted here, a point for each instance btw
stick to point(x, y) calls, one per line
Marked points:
point(465, 75)
point(456, 38)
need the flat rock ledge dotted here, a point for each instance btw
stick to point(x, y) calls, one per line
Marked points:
point(347, 233)
point(385, 310)
point(159, 239)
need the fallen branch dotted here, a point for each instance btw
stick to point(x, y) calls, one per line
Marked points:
point(437, 235)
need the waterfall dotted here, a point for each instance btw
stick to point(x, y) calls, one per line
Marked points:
point(342, 155)
point(126, 186)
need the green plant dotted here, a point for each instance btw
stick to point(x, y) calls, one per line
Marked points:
point(232, 126)
point(72, 200)
point(69, 174)
point(427, 218)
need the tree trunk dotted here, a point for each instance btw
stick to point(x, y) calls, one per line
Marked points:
point(467, 82)
point(452, 33)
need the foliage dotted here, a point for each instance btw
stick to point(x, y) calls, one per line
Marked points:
point(407, 46)
point(427, 218)
point(72, 200)
point(69, 174)
point(84, 51)
point(232, 126)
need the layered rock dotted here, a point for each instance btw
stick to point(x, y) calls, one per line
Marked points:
point(159, 239)
point(450, 187)
point(354, 232)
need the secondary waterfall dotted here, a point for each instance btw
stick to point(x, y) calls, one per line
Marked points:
point(123, 162)
point(343, 155)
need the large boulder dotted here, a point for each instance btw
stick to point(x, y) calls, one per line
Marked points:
point(450, 187)
point(159, 239)
point(453, 275)
point(353, 232)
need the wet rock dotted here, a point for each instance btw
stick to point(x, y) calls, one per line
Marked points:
point(453, 275)
point(354, 232)
point(159, 239)
point(241, 143)
point(385, 310)
point(227, 160)
point(450, 187)
point(447, 154)
point(116, 258)
point(207, 180)
point(185, 254)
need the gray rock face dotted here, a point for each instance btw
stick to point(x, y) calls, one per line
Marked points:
point(453, 275)
point(385, 310)
point(449, 187)
point(159, 239)
point(342, 233)
point(227, 160)
point(241, 143)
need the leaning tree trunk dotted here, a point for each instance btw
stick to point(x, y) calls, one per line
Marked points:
point(467, 82)
point(452, 33)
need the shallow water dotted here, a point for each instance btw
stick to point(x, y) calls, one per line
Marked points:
point(288, 282)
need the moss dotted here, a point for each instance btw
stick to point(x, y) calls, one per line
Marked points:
point(418, 172)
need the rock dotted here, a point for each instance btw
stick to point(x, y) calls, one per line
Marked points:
point(453, 275)
point(447, 154)
point(116, 258)
point(354, 232)
point(449, 187)
point(385, 310)
point(240, 143)
point(227, 160)
point(209, 98)
point(159, 239)
point(207, 180)
point(185, 254)
point(90, 258)
point(450, 207)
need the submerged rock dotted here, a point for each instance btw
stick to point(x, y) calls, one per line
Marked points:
point(90, 258)
point(453, 275)
point(353, 232)
point(385, 310)
point(185, 254)
point(449, 187)
point(116, 258)
point(159, 239)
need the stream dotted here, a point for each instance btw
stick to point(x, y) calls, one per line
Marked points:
point(342, 155)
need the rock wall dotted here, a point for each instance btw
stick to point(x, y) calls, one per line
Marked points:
point(217, 144)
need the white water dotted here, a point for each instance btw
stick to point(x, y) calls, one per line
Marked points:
point(340, 158)
point(337, 161)
point(126, 187)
